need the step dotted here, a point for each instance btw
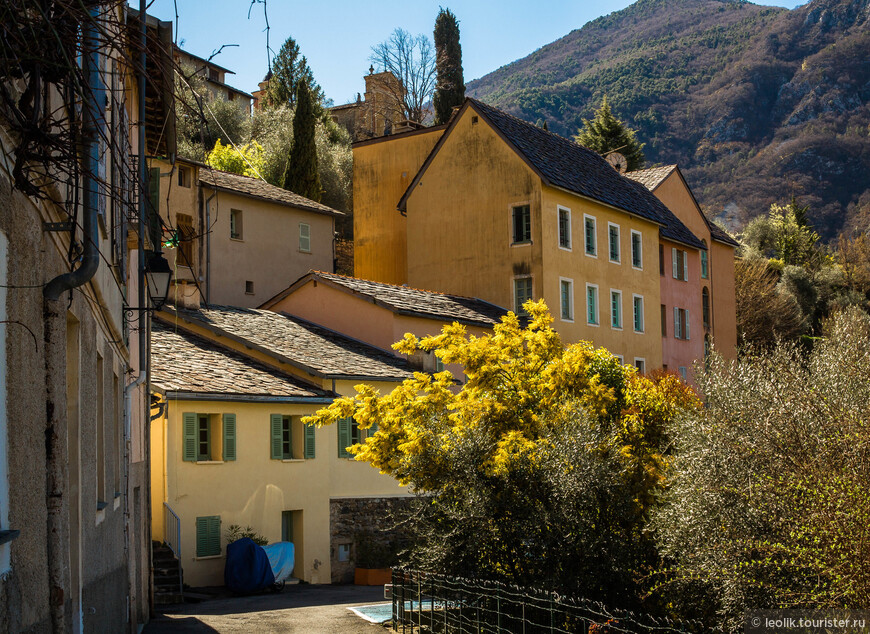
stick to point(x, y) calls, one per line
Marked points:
point(168, 598)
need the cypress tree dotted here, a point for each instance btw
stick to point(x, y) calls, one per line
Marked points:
point(301, 176)
point(449, 83)
point(605, 133)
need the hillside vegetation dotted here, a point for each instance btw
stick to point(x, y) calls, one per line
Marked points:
point(757, 104)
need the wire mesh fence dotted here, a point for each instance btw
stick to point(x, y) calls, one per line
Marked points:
point(430, 602)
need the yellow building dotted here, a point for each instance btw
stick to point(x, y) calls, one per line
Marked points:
point(228, 446)
point(235, 239)
point(505, 211)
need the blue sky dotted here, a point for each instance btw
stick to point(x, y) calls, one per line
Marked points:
point(337, 36)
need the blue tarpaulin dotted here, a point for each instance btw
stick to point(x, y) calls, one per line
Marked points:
point(247, 568)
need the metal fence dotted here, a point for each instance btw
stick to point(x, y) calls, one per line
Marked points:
point(430, 602)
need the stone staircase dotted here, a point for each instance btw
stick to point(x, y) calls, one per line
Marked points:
point(166, 575)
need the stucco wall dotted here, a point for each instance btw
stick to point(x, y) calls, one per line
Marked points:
point(580, 268)
point(724, 303)
point(460, 218)
point(51, 426)
point(685, 295)
point(268, 252)
point(382, 171)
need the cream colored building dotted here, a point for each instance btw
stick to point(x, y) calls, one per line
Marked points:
point(230, 383)
point(234, 239)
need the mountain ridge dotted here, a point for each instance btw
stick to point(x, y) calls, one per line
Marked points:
point(757, 104)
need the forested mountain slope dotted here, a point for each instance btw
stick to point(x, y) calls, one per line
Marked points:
point(757, 104)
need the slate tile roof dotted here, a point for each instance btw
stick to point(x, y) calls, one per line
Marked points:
point(255, 188)
point(653, 177)
point(571, 166)
point(428, 304)
point(185, 362)
point(324, 352)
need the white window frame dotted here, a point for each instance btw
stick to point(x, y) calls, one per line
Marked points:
point(621, 325)
point(642, 360)
point(518, 310)
point(620, 358)
point(681, 319)
point(571, 313)
point(594, 220)
point(559, 210)
point(511, 208)
point(301, 237)
point(685, 266)
point(597, 321)
point(639, 235)
point(618, 259)
point(634, 298)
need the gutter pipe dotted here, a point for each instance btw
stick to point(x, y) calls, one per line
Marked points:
point(93, 124)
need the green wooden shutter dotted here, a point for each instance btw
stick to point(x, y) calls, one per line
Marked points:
point(188, 451)
point(309, 442)
point(277, 425)
point(208, 536)
point(372, 430)
point(344, 437)
point(229, 437)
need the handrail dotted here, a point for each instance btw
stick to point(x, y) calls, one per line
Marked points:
point(174, 544)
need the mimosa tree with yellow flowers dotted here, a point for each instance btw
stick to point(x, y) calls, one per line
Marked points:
point(538, 466)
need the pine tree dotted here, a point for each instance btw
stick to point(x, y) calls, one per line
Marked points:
point(605, 133)
point(301, 176)
point(450, 83)
point(288, 70)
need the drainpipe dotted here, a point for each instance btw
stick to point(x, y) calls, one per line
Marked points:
point(93, 123)
point(208, 247)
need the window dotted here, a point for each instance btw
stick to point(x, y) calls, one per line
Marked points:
point(522, 294)
point(619, 358)
point(208, 536)
point(236, 224)
point(522, 224)
point(640, 364)
point(681, 323)
point(214, 74)
point(185, 236)
point(101, 435)
point(291, 529)
point(705, 263)
point(638, 313)
point(349, 433)
point(636, 249)
point(566, 297)
point(304, 237)
point(664, 321)
point(705, 308)
point(661, 259)
point(208, 437)
point(249, 287)
point(616, 309)
point(592, 304)
point(683, 372)
point(183, 177)
point(589, 233)
point(344, 552)
point(613, 241)
point(680, 264)
point(290, 438)
point(564, 228)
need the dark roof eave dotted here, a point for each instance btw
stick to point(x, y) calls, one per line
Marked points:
point(236, 192)
point(364, 377)
point(245, 398)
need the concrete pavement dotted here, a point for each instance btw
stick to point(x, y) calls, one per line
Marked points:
point(301, 609)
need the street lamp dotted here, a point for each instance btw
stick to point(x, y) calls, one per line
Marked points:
point(159, 274)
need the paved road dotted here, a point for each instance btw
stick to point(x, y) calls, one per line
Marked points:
point(302, 608)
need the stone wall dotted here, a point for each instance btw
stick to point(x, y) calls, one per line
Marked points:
point(363, 526)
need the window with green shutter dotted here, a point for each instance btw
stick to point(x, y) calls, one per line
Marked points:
point(189, 425)
point(276, 424)
point(203, 438)
point(229, 421)
point(613, 238)
point(208, 536)
point(309, 442)
point(345, 426)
